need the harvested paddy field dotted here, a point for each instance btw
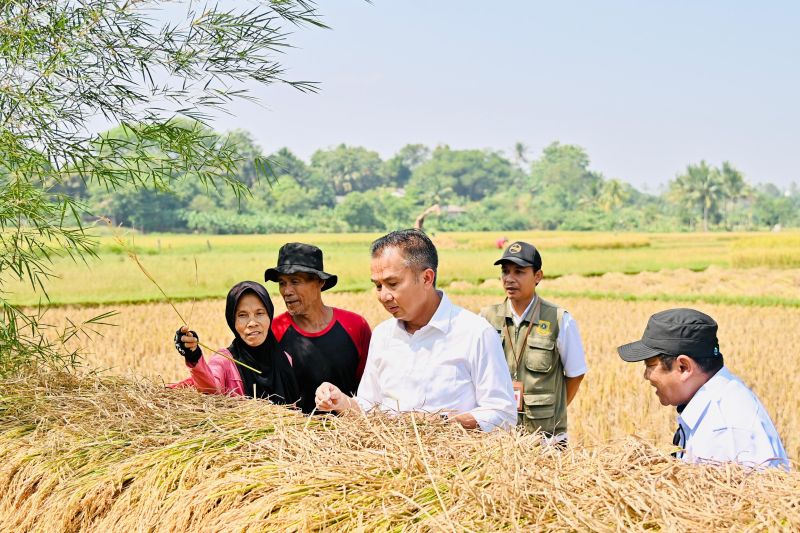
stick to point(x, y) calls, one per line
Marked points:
point(614, 400)
point(713, 281)
point(115, 450)
point(111, 454)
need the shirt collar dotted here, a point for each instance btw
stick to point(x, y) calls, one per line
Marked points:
point(440, 320)
point(526, 315)
point(697, 405)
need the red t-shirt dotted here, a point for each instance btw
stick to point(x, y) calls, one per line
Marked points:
point(337, 354)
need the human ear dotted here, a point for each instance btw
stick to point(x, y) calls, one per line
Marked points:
point(538, 275)
point(428, 275)
point(685, 364)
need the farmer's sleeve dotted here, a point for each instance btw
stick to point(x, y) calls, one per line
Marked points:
point(216, 376)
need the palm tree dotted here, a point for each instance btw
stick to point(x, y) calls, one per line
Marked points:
point(700, 186)
point(733, 186)
point(612, 195)
point(520, 153)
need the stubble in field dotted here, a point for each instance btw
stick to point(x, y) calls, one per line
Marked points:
point(613, 401)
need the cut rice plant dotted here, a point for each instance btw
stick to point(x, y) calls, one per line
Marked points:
point(115, 454)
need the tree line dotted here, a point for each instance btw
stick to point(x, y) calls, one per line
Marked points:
point(350, 188)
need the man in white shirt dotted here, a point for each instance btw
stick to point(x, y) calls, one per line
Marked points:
point(432, 356)
point(719, 419)
point(542, 344)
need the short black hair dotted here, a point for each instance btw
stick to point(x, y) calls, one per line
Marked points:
point(418, 250)
point(709, 365)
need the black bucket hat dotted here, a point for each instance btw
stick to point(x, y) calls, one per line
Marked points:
point(294, 257)
point(675, 332)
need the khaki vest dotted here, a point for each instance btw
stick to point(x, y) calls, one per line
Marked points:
point(540, 369)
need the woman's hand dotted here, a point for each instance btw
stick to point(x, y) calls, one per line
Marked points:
point(186, 342)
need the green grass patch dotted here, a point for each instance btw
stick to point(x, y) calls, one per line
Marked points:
point(206, 266)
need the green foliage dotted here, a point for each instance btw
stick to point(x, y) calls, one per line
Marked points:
point(771, 207)
point(398, 169)
point(561, 177)
point(699, 187)
point(458, 175)
point(561, 192)
point(360, 212)
point(348, 169)
point(158, 77)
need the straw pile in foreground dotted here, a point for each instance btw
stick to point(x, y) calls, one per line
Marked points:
point(109, 454)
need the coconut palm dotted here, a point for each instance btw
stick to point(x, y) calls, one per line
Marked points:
point(700, 186)
point(520, 153)
point(612, 195)
point(733, 186)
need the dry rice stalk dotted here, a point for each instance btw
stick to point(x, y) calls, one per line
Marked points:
point(112, 454)
point(131, 251)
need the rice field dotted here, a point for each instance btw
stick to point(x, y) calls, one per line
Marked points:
point(614, 400)
point(110, 449)
point(205, 266)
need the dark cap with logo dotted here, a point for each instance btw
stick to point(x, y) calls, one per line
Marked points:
point(675, 332)
point(294, 257)
point(523, 254)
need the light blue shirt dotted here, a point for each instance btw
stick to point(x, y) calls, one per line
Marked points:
point(725, 422)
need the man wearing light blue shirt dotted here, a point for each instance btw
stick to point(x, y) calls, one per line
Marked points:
point(719, 419)
point(432, 356)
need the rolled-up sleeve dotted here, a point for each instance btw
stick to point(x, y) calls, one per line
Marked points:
point(494, 392)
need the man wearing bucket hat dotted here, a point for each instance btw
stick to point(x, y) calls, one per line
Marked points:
point(328, 344)
point(542, 345)
point(719, 418)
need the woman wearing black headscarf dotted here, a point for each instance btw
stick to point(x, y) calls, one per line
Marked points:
point(254, 364)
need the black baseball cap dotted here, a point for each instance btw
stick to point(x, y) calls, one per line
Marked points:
point(675, 332)
point(523, 254)
point(294, 257)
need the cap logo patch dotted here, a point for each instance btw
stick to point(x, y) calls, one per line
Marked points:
point(515, 248)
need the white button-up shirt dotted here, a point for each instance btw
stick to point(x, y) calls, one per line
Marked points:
point(453, 364)
point(725, 422)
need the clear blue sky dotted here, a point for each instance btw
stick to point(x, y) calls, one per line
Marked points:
point(644, 86)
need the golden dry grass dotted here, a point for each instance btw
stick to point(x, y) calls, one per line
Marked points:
point(760, 344)
point(713, 281)
point(118, 455)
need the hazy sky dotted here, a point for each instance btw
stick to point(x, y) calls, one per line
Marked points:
point(644, 86)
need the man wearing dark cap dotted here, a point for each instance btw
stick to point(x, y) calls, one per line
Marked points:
point(541, 342)
point(719, 418)
point(328, 344)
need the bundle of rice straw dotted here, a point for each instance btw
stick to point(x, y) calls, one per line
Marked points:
point(112, 454)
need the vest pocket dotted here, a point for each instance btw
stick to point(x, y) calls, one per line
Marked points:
point(539, 406)
point(540, 354)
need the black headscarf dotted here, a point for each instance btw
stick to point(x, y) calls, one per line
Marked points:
point(276, 381)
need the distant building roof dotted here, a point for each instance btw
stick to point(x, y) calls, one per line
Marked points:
point(454, 210)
